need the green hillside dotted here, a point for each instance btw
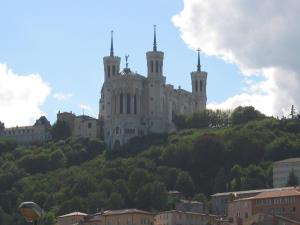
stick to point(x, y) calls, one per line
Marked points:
point(80, 174)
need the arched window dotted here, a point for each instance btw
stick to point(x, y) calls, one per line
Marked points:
point(161, 67)
point(201, 85)
point(196, 86)
point(134, 104)
point(108, 71)
point(113, 70)
point(156, 66)
point(121, 103)
point(151, 65)
point(128, 103)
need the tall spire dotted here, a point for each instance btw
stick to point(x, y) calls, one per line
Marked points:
point(112, 43)
point(154, 42)
point(198, 65)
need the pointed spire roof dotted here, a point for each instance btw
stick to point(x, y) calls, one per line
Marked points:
point(154, 41)
point(112, 44)
point(198, 65)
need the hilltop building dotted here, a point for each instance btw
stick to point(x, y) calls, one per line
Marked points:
point(282, 170)
point(82, 125)
point(26, 135)
point(134, 105)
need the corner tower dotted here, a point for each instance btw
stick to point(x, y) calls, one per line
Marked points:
point(199, 86)
point(155, 59)
point(111, 62)
point(156, 90)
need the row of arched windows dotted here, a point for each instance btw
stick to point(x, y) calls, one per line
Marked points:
point(155, 66)
point(128, 109)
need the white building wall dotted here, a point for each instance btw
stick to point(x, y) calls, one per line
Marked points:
point(282, 169)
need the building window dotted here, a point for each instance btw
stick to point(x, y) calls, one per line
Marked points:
point(134, 104)
point(201, 85)
point(121, 103)
point(196, 86)
point(115, 105)
point(128, 103)
point(89, 125)
point(156, 66)
point(151, 65)
point(113, 70)
point(108, 71)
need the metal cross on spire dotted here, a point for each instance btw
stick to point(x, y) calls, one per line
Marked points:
point(198, 65)
point(112, 43)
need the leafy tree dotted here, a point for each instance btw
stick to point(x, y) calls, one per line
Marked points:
point(242, 115)
point(60, 130)
point(151, 196)
point(236, 175)
point(49, 218)
point(57, 159)
point(200, 197)
point(220, 184)
point(292, 179)
point(185, 184)
point(106, 186)
point(96, 201)
point(115, 201)
point(137, 178)
point(83, 184)
point(35, 163)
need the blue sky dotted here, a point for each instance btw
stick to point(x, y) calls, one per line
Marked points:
point(64, 42)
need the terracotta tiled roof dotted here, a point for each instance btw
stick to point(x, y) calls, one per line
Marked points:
point(278, 193)
point(74, 214)
point(125, 211)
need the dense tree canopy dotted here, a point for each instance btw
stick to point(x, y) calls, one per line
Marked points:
point(78, 174)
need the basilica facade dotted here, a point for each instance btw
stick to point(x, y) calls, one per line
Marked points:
point(135, 105)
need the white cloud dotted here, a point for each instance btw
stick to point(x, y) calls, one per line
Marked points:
point(21, 97)
point(62, 96)
point(85, 107)
point(260, 36)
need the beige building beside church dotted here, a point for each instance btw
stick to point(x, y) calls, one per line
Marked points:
point(81, 126)
point(134, 105)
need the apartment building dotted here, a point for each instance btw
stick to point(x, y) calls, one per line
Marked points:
point(284, 202)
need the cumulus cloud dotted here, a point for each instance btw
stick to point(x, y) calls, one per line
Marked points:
point(85, 107)
point(62, 96)
point(21, 97)
point(260, 36)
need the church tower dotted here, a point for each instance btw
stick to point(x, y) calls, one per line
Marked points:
point(155, 59)
point(111, 62)
point(111, 69)
point(199, 86)
point(156, 86)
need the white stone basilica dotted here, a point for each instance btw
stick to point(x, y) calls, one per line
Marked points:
point(134, 105)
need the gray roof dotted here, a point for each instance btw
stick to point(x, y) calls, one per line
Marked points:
point(290, 160)
point(250, 191)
